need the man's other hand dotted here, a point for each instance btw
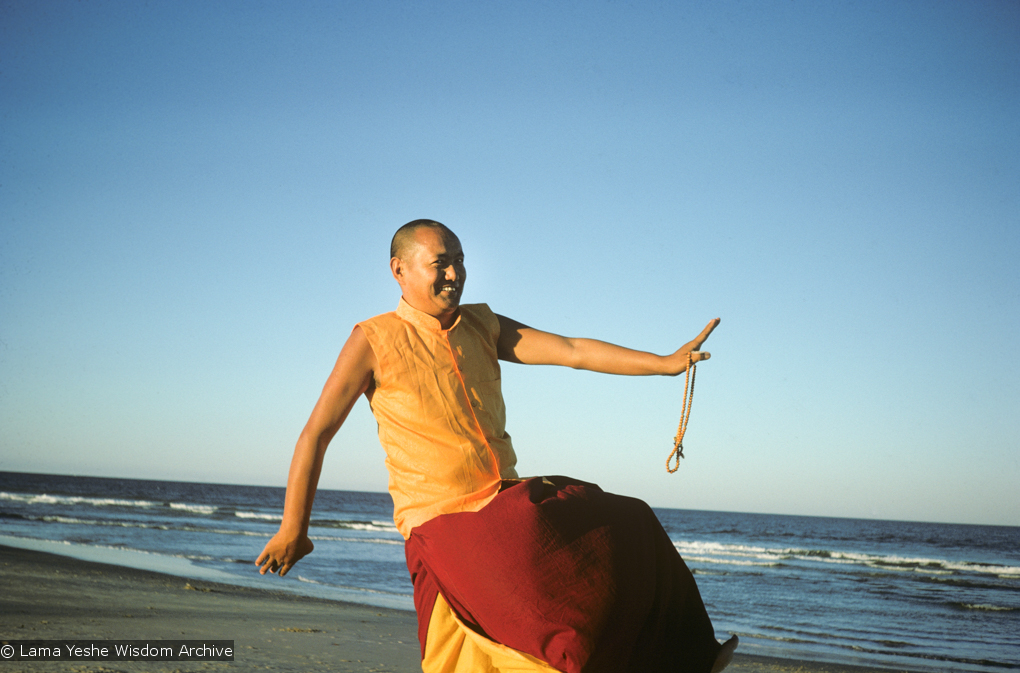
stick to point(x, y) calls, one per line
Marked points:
point(282, 552)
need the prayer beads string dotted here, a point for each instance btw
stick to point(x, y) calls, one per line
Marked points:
point(685, 416)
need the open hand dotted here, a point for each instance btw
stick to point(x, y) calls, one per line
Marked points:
point(678, 360)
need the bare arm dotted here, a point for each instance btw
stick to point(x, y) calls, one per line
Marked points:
point(526, 345)
point(350, 377)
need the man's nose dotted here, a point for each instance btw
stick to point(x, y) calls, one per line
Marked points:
point(451, 272)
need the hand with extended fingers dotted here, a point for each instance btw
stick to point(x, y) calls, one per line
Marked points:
point(678, 360)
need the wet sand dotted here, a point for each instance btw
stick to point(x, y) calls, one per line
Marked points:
point(45, 596)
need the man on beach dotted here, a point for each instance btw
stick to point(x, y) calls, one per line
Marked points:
point(543, 574)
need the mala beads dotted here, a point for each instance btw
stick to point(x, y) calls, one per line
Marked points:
point(685, 415)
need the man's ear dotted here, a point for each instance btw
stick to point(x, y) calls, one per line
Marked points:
point(397, 268)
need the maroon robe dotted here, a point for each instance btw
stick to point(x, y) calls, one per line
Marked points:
point(584, 580)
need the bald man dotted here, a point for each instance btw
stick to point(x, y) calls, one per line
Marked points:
point(542, 574)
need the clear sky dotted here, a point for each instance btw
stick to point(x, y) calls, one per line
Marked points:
point(196, 202)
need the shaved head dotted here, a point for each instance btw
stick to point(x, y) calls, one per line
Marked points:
point(404, 239)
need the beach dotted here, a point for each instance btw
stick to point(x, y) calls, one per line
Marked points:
point(881, 594)
point(46, 596)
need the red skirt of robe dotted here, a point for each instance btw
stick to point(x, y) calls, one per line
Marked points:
point(584, 580)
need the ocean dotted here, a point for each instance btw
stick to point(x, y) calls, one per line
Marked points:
point(913, 596)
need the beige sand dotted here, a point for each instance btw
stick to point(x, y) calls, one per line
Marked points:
point(43, 596)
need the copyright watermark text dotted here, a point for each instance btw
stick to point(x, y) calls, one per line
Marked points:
point(116, 650)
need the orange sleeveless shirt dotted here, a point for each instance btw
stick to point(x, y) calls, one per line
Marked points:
point(439, 406)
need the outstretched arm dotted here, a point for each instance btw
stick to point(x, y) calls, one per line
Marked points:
point(526, 345)
point(351, 377)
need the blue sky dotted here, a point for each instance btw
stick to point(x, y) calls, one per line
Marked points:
point(196, 202)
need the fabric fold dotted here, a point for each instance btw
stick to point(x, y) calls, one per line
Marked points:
point(557, 569)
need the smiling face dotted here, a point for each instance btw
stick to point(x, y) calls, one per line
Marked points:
point(431, 273)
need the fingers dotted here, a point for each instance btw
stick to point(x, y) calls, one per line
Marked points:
point(701, 338)
point(698, 356)
point(271, 566)
point(268, 564)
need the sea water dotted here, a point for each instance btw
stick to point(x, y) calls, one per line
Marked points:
point(914, 596)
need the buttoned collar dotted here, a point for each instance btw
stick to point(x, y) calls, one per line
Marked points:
point(422, 319)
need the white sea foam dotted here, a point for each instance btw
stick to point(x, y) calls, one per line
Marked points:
point(197, 509)
point(378, 526)
point(69, 520)
point(987, 608)
point(147, 526)
point(353, 525)
point(373, 526)
point(74, 521)
point(732, 562)
point(1008, 572)
point(732, 554)
point(258, 515)
point(371, 540)
point(46, 499)
point(248, 533)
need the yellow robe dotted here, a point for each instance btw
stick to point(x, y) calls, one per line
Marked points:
point(437, 400)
